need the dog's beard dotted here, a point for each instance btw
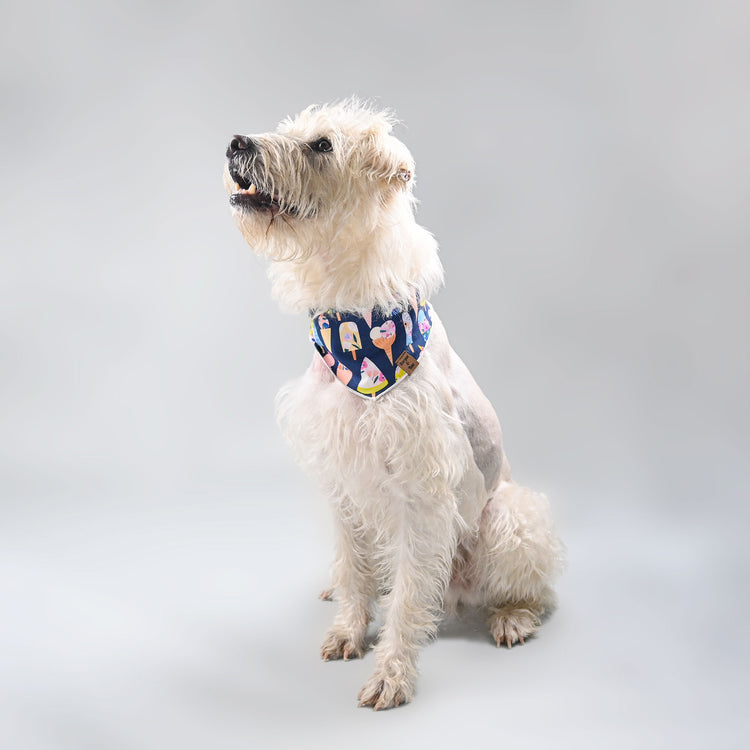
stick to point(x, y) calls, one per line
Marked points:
point(270, 225)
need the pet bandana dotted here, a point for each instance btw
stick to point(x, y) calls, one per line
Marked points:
point(370, 354)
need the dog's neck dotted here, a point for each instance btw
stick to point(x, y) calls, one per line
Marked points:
point(379, 268)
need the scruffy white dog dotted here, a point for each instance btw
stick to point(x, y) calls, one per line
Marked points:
point(393, 426)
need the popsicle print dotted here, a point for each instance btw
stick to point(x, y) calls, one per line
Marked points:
point(406, 318)
point(384, 337)
point(325, 330)
point(314, 337)
point(349, 334)
point(414, 303)
point(372, 379)
point(343, 373)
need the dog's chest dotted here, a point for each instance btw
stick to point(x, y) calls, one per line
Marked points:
point(408, 444)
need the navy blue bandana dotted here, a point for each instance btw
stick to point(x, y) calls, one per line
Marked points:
point(370, 354)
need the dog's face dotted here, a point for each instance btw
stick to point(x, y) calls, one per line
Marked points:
point(331, 170)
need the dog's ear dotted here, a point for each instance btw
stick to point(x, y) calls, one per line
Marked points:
point(404, 173)
point(386, 159)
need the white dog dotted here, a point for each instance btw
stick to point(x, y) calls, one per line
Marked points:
point(387, 417)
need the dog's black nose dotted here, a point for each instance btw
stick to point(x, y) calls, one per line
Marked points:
point(241, 143)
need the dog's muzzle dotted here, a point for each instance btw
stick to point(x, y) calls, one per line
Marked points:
point(242, 153)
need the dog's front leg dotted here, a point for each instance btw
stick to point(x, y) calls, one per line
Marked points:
point(420, 558)
point(354, 587)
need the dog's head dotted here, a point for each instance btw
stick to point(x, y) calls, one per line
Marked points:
point(334, 166)
point(328, 198)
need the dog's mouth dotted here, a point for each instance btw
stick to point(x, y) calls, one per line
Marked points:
point(247, 194)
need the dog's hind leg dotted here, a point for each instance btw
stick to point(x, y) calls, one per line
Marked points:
point(419, 559)
point(518, 556)
point(354, 586)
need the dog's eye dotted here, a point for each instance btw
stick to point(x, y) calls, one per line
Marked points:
point(322, 146)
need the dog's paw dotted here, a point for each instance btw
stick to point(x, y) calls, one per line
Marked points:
point(512, 624)
point(341, 645)
point(383, 691)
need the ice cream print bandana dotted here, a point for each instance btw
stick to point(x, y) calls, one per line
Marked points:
point(370, 354)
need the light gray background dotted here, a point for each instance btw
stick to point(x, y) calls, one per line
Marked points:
point(585, 169)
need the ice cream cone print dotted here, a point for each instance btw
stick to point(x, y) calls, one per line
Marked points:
point(325, 330)
point(372, 379)
point(368, 318)
point(349, 334)
point(328, 359)
point(406, 318)
point(343, 373)
point(399, 373)
point(384, 336)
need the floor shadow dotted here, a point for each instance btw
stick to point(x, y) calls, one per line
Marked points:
point(467, 626)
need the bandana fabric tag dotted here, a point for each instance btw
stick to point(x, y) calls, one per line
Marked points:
point(407, 363)
point(370, 354)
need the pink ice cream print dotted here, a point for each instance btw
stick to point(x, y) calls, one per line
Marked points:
point(384, 336)
point(406, 318)
point(372, 379)
point(325, 330)
point(424, 324)
point(328, 359)
point(343, 373)
point(349, 334)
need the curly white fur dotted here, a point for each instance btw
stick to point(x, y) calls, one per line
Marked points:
point(427, 516)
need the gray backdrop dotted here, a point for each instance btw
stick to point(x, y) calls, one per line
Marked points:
point(584, 166)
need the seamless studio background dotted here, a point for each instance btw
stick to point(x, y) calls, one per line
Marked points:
point(584, 167)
